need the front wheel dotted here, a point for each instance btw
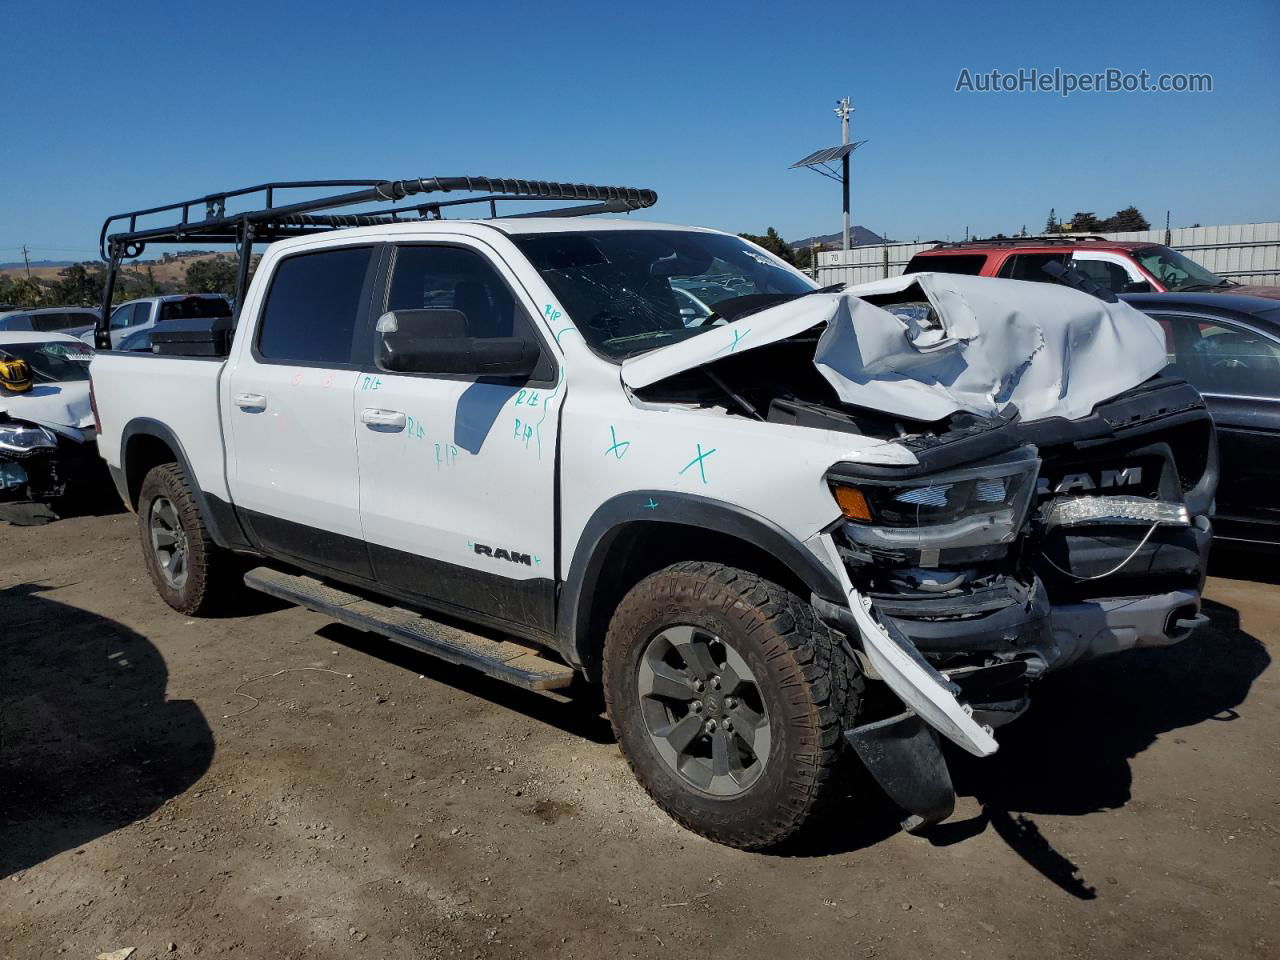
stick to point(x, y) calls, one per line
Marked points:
point(727, 696)
point(186, 566)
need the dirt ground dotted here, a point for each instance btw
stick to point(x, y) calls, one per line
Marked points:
point(272, 785)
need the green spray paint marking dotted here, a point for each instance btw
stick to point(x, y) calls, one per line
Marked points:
point(699, 459)
point(619, 450)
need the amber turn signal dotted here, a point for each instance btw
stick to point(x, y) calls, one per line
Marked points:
point(852, 503)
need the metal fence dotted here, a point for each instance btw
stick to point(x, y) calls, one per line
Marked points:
point(1243, 252)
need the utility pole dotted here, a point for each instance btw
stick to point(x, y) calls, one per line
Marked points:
point(26, 260)
point(842, 111)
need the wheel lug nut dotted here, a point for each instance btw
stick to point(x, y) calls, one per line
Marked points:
point(731, 702)
point(697, 706)
point(698, 685)
point(728, 726)
point(711, 726)
point(715, 683)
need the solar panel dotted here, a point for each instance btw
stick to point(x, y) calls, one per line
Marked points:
point(826, 154)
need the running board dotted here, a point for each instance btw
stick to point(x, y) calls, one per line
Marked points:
point(516, 664)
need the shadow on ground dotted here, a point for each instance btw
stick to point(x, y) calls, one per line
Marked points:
point(1069, 755)
point(88, 742)
point(581, 713)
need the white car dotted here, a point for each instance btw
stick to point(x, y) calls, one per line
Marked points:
point(870, 517)
point(46, 431)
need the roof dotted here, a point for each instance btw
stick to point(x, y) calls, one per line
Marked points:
point(514, 227)
point(33, 336)
point(1221, 304)
point(1040, 243)
point(37, 311)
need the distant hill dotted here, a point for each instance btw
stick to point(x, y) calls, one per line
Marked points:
point(857, 236)
point(19, 265)
point(168, 271)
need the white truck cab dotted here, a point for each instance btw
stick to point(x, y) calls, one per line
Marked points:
point(789, 521)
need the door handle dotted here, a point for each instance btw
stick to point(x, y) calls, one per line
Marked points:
point(391, 419)
point(249, 401)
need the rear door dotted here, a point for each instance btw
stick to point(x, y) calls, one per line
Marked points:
point(1237, 369)
point(457, 472)
point(291, 450)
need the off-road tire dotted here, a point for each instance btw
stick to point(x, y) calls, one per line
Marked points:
point(808, 683)
point(210, 569)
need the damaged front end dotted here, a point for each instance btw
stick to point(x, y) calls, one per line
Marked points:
point(1063, 540)
point(1050, 503)
point(36, 463)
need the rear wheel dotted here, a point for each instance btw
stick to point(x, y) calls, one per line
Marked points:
point(188, 569)
point(728, 697)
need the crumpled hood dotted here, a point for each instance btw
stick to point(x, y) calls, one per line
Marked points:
point(988, 342)
point(62, 407)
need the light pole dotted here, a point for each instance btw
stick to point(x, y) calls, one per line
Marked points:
point(818, 161)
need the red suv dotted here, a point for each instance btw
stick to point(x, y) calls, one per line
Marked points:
point(1123, 267)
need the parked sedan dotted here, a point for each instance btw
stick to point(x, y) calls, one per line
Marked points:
point(1229, 348)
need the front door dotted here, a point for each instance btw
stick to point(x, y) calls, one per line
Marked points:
point(457, 472)
point(291, 464)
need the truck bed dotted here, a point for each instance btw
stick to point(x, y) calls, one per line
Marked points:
point(141, 388)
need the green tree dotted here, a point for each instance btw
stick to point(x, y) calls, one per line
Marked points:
point(213, 275)
point(78, 286)
point(773, 243)
point(21, 292)
point(1051, 225)
point(1084, 221)
point(1130, 218)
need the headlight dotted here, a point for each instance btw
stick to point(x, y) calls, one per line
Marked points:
point(979, 505)
point(23, 439)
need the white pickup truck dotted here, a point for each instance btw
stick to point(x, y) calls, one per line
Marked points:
point(804, 520)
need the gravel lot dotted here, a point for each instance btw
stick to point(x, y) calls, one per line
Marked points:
point(272, 785)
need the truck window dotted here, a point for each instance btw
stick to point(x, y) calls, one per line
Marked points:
point(967, 263)
point(123, 316)
point(194, 308)
point(455, 279)
point(1030, 266)
point(311, 308)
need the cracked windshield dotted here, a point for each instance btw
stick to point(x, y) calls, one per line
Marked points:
point(630, 291)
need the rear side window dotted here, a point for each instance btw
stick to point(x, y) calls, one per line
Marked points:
point(311, 308)
point(49, 322)
point(967, 263)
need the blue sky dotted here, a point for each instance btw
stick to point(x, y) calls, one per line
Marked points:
point(118, 106)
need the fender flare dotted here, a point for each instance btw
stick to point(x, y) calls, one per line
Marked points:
point(219, 518)
point(686, 509)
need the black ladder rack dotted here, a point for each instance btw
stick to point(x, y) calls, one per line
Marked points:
point(277, 221)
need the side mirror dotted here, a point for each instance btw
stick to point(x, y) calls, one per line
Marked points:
point(1138, 286)
point(489, 357)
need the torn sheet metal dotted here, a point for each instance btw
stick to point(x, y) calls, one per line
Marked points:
point(916, 683)
point(986, 343)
